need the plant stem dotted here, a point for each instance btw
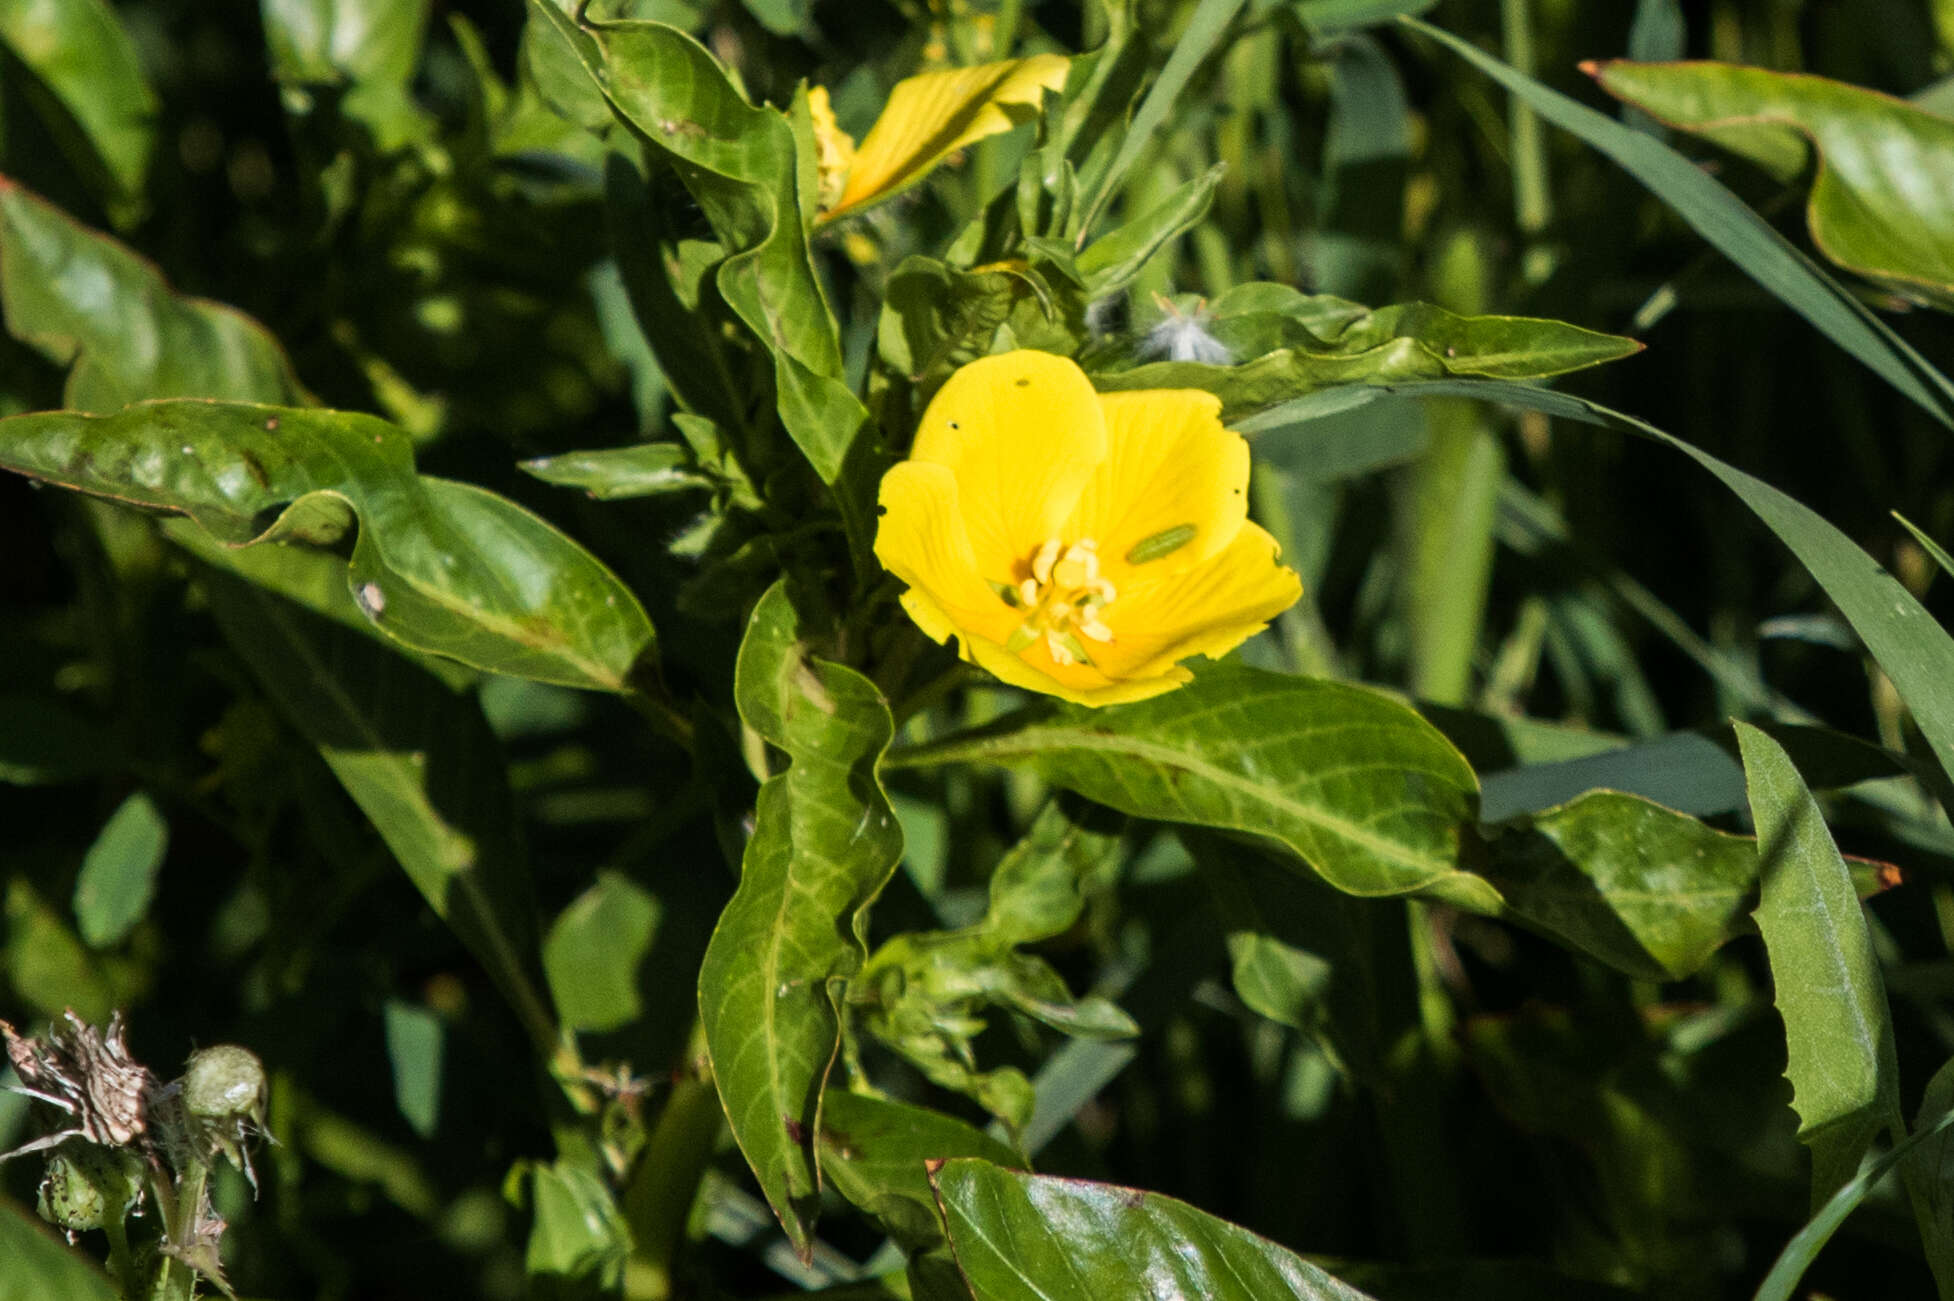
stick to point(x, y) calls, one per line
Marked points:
point(175, 1280)
point(659, 1199)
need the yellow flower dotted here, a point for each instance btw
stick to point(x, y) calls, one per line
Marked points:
point(928, 117)
point(1077, 543)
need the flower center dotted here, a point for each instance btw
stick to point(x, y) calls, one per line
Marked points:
point(1063, 598)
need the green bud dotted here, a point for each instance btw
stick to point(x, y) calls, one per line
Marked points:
point(84, 1184)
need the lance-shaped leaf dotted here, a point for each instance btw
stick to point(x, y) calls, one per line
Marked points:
point(415, 755)
point(83, 66)
point(1357, 785)
point(1882, 190)
point(752, 172)
point(1023, 1237)
point(85, 301)
point(1646, 889)
point(40, 1265)
point(1261, 344)
point(824, 843)
point(1844, 1077)
point(439, 566)
point(932, 115)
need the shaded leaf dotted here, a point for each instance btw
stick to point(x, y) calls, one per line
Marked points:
point(85, 301)
point(1114, 260)
point(577, 1231)
point(40, 1265)
point(420, 761)
point(440, 566)
point(876, 1152)
point(1882, 195)
point(615, 473)
point(43, 741)
point(1033, 1236)
point(105, 112)
point(1844, 1076)
point(370, 47)
point(824, 843)
point(118, 874)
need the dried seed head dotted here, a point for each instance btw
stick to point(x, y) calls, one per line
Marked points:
point(89, 1076)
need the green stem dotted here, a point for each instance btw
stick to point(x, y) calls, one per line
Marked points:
point(659, 1199)
point(1532, 201)
point(176, 1280)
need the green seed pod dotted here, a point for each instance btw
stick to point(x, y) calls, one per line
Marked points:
point(225, 1083)
point(84, 1184)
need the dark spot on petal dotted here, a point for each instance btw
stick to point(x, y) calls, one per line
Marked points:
point(1024, 383)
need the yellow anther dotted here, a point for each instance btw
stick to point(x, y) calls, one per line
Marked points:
point(1063, 599)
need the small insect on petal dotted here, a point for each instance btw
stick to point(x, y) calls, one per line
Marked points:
point(1160, 545)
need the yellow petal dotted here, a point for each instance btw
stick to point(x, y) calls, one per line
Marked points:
point(937, 113)
point(1035, 670)
point(921, 539)
point(1207, 610)
point(1020, 434)
point(1169, 465)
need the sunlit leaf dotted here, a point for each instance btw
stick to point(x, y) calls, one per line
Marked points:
point(368, 48)
point(1844, 1076)
point(1044, 1239)
point(594, 951)
point(1737, 232)
point(83, 60)
point(824, 842)
point(440, 566)
point(1882, 194)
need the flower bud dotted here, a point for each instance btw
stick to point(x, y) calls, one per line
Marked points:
point(85, 1184)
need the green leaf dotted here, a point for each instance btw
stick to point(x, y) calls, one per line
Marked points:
point(416, 1043)
point(83, 63)
point(616, 473)
point(1844, 1076)
point(1908, 642)
point(420, 761)
point(131, 338)
point(1045, 1239)
point(1299, 343)
point(41, 1266)
point(439, 566)
point(1737, 232)
point(824, 843)
point(752, 171)
point(594, 952)
point(1649, 891)
point(876, 1153)
point(1326, 18)
point(1200, 38)
point(369, 46)
point(47, 966)
point(577, 1231)
point(118, 874)
point(1882, 203)
point(1358, 786)
point(936, 317)
point(1114, 260)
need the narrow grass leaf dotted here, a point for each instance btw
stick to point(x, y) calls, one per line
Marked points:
point(1736, 231)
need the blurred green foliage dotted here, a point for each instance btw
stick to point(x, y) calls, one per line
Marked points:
point(337, 724)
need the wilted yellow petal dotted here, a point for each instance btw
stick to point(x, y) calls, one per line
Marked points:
point(834, 149)
point(937, 113)
point(1207, 610)
point(1169, 466)
point(1021, 434)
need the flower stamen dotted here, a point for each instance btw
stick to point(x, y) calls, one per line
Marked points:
point(1064, 595)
